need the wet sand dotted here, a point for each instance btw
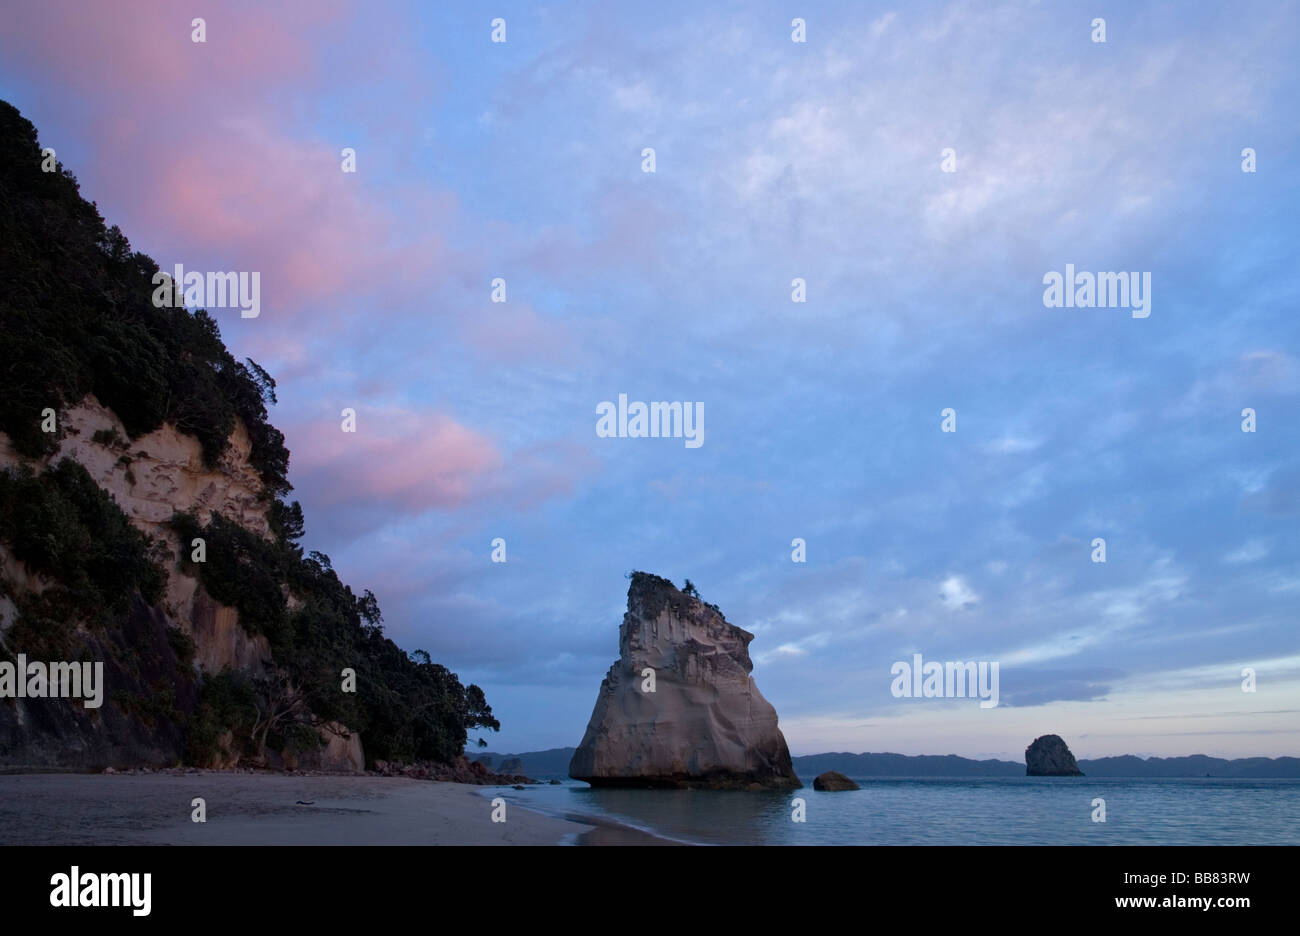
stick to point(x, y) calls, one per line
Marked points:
point(277, 809)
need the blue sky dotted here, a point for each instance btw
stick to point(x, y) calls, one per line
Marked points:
point(774, 160)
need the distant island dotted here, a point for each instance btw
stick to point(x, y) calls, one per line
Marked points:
point(555, 763)
point(1049, 756)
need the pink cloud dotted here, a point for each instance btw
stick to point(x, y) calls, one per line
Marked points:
point(144, 47)
point(223, 156)
point(198, 158)
point(200, 155)
point(287, 209)
point(398, 458)
point(421, 461)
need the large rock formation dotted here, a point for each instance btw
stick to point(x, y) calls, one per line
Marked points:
point(131, 727)
point(150, 671)
point(144, 526)
point(679, 708)
point(340, 753)
point(150, 478)
point(1049, 757)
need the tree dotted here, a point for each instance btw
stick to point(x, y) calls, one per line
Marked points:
point(264, 381)
point(478, 714)
point(368, 608)
point(279, 706)
point(286, 520)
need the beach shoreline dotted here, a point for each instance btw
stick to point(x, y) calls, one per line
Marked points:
point(266, 808)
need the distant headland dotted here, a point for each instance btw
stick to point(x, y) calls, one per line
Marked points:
point(555, 763)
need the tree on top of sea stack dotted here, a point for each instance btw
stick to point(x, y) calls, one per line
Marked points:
point(679, 708)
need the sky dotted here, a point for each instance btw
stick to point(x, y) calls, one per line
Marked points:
point(773, 160)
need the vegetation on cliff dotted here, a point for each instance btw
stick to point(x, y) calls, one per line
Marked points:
point(406, 707)
point(77, 318)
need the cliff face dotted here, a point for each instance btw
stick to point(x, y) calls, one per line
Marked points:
point(156, 474)
point(140, 721)
point(150, 675)
point(128, 431)
point(150, 478)
point(705, 724)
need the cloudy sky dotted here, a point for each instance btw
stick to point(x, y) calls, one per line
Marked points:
point(774, 160)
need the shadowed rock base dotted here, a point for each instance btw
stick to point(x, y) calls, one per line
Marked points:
point(686, 782)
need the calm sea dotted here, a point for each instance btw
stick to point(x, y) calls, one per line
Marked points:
point(954, 811)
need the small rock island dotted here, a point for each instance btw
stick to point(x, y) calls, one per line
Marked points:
point(678, 709)
point(832, 781)
point(1048, 756)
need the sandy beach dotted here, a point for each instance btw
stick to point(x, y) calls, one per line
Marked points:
point(277, 809)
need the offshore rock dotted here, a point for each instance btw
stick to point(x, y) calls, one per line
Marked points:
point(679, 708)
point(1049, 757)
point(834, 782)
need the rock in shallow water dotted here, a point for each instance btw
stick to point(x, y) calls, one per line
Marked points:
point(834, 782)
point(679, 708)
point(1049, 757)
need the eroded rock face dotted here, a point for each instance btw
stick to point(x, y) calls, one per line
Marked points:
point(705, 724)
point(1049, 757)
point(136, 723)
point(221, 641)
point(150, 478)
point(163, 471)
point(340, 753)
point(141, 723)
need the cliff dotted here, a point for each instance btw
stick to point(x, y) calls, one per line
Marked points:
point(679, 708)
point(150, 479)
point(159, 651)
point(143, 531)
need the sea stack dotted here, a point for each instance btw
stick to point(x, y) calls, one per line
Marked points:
point(678, 708)
point(1049, 757)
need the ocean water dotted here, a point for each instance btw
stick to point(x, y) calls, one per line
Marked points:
point(953, 811)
